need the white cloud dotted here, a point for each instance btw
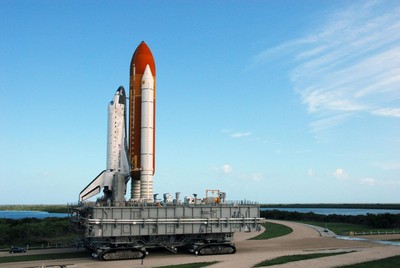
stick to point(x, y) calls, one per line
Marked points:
point(388, 165)
point(226, 168)
point(349, 65)
point(234, 134)
point(382, 183)
point(257, 176)
point(341, 174)
point(239, 134)
point(393, 112)
point(233, 175)
point(368, 181)
point(328, 122)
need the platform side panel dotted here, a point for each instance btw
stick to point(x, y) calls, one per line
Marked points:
point(148, 221)
point(179, 214)
point(111, 230)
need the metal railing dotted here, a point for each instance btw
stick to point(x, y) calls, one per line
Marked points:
point(379, 232)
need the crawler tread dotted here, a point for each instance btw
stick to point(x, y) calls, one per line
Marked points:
point(122, 254)
point(217, 249)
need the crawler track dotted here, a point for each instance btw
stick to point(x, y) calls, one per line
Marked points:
point(122, 254)
point(216, 249)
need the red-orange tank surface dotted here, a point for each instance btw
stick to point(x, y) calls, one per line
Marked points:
point(140, 59)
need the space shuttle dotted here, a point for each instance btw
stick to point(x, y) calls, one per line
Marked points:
point(136, 161)
point(113, 180)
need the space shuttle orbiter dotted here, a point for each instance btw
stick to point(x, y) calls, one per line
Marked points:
point(113, 180)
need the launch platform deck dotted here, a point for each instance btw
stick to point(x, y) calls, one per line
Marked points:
point(107, 221)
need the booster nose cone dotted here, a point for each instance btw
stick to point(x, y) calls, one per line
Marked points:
point(141, 58)
point(147, 78)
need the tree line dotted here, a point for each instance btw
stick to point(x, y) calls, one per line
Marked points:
point(376, 221)
point(47, 208)
point(35, 232)
point(335, 205)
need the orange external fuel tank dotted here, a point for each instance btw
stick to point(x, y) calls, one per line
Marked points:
point(140, 59)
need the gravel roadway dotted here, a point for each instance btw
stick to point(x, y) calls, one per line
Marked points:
point(304, 239)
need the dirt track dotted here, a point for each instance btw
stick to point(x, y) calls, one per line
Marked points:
point(303, 240)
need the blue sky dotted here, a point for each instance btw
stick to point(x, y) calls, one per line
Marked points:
point(270, 101)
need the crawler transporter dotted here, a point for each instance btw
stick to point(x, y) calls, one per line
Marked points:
point(203, 227)
point(113, 228)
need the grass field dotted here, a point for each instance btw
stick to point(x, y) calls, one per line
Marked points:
point(391, 262)
point(344, 228)
point(293, 258)
point(190, 265)
point(39, 257)
point(273, 230)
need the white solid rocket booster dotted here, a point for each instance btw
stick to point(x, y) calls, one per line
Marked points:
point(147, 136)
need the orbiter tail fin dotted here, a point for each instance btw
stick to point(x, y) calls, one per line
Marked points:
point(94, 187)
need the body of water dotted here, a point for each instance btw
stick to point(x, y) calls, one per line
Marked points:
point(338, 211)
point(16, 214)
